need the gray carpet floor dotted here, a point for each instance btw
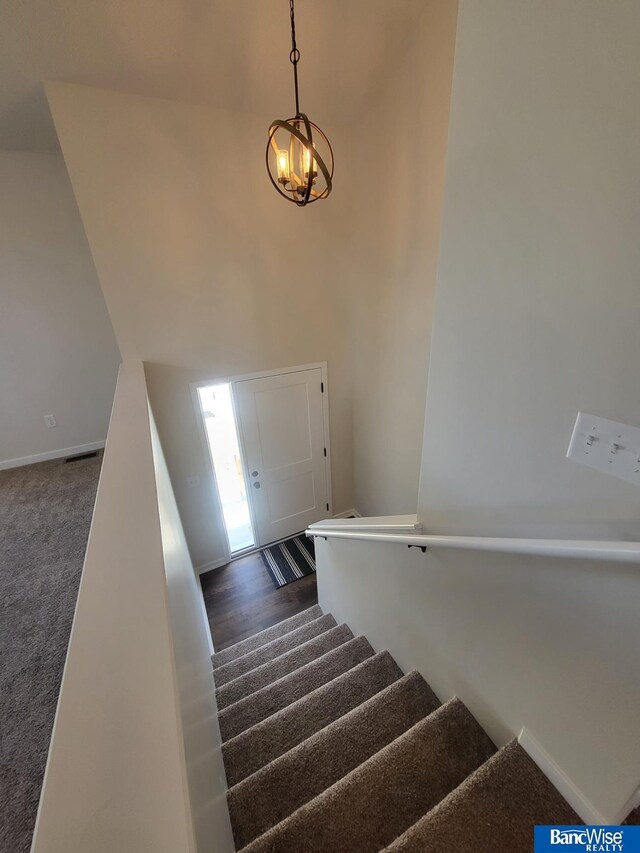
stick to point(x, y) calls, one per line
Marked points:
point(45, 514)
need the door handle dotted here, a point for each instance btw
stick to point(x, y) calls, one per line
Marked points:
point(256, 485)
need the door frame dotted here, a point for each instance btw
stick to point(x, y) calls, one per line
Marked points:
point(229, 380)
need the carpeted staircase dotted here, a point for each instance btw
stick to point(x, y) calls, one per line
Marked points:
point(329, 747)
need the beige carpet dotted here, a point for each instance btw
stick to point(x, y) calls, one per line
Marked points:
point(511, 795)
point(285, 729)
point(266, 674)
point(266, 636)
point(45, 513)
point(263, 703)
point(275, 791)
point(331, 751)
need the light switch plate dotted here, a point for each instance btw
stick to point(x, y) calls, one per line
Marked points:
point(608, 446)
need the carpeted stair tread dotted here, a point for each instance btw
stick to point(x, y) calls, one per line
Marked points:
point(494, 808)
point(276, 696)
point(256, 640)
point(274, 792)
point(282, 666)
point(256, 747)
point(240, 666)
point(385, 795)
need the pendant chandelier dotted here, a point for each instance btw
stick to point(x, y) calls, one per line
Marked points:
point(299, 155)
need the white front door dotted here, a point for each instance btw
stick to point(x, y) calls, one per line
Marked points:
point(282, 426)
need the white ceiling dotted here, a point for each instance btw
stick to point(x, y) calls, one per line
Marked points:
point(228, 53)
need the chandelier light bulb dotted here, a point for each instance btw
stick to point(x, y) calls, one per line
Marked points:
point(283, 167)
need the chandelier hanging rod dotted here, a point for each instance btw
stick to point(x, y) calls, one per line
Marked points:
point(294, 56)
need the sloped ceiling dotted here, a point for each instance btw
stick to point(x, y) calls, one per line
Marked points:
point(227, 53)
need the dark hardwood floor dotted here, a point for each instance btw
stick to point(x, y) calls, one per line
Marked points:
point(241, 600)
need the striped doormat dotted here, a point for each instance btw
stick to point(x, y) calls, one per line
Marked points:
point(290, 560)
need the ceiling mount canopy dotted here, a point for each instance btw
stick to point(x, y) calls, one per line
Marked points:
point(299, 155)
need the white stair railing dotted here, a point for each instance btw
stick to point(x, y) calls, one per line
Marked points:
point(376, 530)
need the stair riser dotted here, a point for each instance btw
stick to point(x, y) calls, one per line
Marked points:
point(266, 741)
point(271, 795)
point(327, 747)
point(266, 636)
point(504, 799)
point(262, 704)
point(268, 673)
point(270, 651)
point(379, 800)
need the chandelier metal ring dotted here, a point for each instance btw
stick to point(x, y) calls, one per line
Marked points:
point(307, 142)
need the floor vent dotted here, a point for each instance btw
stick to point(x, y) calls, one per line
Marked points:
point(81, 456)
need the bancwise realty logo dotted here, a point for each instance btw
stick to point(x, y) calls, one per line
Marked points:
point(587, 839)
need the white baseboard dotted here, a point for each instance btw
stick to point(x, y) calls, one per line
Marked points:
point(214, 564)
point(563, 784)
point(51, 454)
point(348, 513)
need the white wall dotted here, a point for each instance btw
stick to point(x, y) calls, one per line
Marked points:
point(398, 183)
point(546, 644)
point(538, 283)
point(134, 760)
point(206, 272)
point(535, 318)
point(58, 354)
